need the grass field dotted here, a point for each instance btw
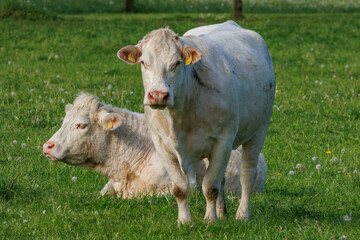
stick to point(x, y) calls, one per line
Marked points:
point(316, 120)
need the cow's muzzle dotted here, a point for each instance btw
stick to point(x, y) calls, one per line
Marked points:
point(158, 99)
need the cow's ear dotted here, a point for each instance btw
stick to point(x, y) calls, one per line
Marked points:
point(68, 107)
point(191, 55)
point(129, 54)
point(111, 121)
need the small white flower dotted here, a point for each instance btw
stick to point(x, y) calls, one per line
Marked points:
point(4, 223)
point(347, 218)
point(56, 56)
point(15, 142)
point(62, 100)
point(314, 158)
point(343, 237)
point(103, 93)
point(231, 197)
point(16, 118)
point(25, 221)
point(44, 212)
point(131, 92)
point(316, 81)
point(23, 145)
point(9, 210)
point(74, 179)
point(36, 186)
point(291, 172)
point(21, 212)
point(12, 93)
point(318, 167)
point(342, 150)
point(334, 76)
point(58, 76)
point(109, 87)
point(96, 213)
point(40, 97)
point(61, 89)
point(355, 171)
point(346, 66)
point(298, 165)
point(322, 65)
point(9, 62)
point(9, 158)
point(311, 49)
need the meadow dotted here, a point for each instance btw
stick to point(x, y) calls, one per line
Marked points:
point(312, 147)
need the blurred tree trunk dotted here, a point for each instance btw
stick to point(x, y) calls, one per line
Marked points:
point(237, 9)
point(129, 5)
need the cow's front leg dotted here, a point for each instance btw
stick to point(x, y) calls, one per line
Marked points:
point(180, 188)
point(213, 180)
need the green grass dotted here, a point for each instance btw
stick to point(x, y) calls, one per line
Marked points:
point(45, 64)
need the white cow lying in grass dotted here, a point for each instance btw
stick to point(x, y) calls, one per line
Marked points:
point(117, 143)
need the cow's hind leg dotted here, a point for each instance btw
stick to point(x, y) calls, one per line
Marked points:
point(213, 179)
point(220, 202)
point(249, 160)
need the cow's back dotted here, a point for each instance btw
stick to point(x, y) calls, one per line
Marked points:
point(236, 63)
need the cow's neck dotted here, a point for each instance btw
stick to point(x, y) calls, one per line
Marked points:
point(130, 148)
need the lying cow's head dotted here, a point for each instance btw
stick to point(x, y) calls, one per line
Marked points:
point(163, 57)
point(82, 132)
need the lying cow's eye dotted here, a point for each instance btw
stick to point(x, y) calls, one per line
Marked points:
point(142, 63)
point(81, 126)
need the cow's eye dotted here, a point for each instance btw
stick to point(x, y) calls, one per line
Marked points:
point(81, 126)
point(176, 65)
point(142, 63)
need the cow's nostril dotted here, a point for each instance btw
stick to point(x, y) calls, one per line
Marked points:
point(166, 97)
point(50, 145)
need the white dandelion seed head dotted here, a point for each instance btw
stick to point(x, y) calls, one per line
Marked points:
point(343, 237)
point(291, 172)
point(58, 76)
point(44, 212)
point(14, 142)
point(314, 158)
point(322, 65)
point(298, 166)
point(96, 213)
point(343, 150)
point(23, 145)
point(347, 218)
point(61, 89)
point(74, 179)
point(16, 118)
point(318, 166)
point(355, 171)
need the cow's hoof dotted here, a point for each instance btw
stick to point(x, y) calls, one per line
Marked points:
point(242, 216)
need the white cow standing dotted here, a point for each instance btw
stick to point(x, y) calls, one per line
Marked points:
point(206, 93)
point(117, 143)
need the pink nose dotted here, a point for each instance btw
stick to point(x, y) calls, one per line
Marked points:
point(48, 147)
point(158, 97)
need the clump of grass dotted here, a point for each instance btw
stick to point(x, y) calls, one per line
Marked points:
point(18, 10)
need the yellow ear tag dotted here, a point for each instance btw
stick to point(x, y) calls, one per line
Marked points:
point(109, 125)
point(131, 59)
point(189, 60)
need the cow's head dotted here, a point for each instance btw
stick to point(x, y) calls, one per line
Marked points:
point(82, 133)
point(163, 57)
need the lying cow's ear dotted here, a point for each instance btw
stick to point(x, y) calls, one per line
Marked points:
point(191, 55)
point(68, 107)
point(129, 54)
point(111, 121)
